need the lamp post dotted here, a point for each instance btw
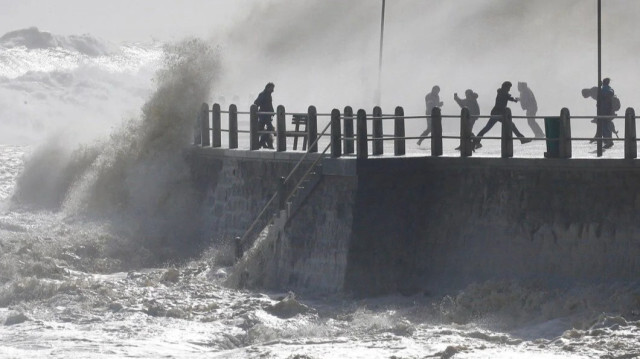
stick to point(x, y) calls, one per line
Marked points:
point(379, 90)
point(600, 123)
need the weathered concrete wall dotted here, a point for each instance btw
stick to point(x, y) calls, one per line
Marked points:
point(236, 185)
point(408, 225)
point(427, 224)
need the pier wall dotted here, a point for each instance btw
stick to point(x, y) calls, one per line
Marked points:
point(421, 224)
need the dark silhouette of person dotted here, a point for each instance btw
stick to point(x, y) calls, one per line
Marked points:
point(606, 108)
point(497, 113)
point(432, 99)
point(265, 104)
point(615, 105)
point(471, 103)
point(530, 106)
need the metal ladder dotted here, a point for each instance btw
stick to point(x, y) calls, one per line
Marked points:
point(293, 201)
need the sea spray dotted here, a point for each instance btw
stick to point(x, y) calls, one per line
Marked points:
point(136, 179)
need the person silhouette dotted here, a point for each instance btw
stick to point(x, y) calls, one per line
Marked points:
point(265, 104)
point(471, 103)
point(432, 99)
point(497, 113)
point(615, 106)
point(530, 106)
point(606, 108)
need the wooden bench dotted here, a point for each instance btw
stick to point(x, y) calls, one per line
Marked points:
point(299, 120)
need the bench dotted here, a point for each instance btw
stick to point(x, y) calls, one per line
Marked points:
point(299, 120)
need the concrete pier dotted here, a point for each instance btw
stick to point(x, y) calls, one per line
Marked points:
point(420, 224)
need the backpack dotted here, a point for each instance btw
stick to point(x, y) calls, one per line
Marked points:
point(615, 103)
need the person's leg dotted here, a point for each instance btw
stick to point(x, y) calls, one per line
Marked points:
point(269, 136)
point(606, 133)
point(514, 129)
point(492, 121)
point(537, 131)
point(425, 132)
point(261, 127)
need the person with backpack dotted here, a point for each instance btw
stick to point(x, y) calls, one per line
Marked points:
point(607, 107)
point(593, 94)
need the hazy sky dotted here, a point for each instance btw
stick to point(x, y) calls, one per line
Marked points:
point(122, 20)
point(325, 52)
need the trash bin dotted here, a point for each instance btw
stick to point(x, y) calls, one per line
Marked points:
point(552, 130)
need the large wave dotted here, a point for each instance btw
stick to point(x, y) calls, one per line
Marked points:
point(136, 179)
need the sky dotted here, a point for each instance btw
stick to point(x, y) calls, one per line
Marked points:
point(122, 20)
point(325, 52)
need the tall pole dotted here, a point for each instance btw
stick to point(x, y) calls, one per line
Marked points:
point(600, 122)
point(379, 90)
point(599, 44)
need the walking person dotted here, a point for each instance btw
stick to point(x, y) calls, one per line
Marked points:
point(497, 113)
point(593, 94)
point(265, 104)
point(606, 108)
point(471, 103)
point(432, 99)
point(530, 106)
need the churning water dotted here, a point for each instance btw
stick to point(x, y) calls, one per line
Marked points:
point(101, 255)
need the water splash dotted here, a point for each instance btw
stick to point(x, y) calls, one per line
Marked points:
point(137, 179)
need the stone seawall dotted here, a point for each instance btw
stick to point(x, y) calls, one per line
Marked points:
point(432, 223)
point(408, 225)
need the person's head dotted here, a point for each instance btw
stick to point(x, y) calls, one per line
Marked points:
point(606, 81)
point(435, 89)
point(270, 87)
point(469, 93)
point(506, 85)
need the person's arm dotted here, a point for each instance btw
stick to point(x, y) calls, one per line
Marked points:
point(457, 99)
point(259, 100)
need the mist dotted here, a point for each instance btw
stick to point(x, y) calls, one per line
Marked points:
point(325, 53)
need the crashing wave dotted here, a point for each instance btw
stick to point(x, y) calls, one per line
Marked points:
point(32, 38)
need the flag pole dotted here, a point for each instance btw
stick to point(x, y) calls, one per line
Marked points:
point(379, 90)
point(600, 122)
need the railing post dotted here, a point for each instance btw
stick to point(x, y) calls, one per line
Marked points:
point(436, 132)
point(630, 144)
point(507, 135)
point(254, 142)
point(377, 132)
point(216, 126)
point(197, 128)
point(312, 129)
point(564, 135)
point(361, 135)
point(281, 129)
point(399, 148)
point(599, 129)
point(204, 125)
point(233, 126)
point(336, 142)
point(466, 145)
point(348, 131)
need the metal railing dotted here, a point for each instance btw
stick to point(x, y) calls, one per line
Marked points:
point(348, 140)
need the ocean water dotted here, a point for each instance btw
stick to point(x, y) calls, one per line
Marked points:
point(101, 254)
